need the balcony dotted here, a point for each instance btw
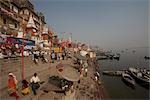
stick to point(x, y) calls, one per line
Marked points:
point(9, 13)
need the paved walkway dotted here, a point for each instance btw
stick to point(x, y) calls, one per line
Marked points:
point(42, 69)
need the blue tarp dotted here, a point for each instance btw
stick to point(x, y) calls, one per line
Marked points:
point(20, 41)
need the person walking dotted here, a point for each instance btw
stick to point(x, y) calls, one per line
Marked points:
point(35, 83)
point(36, 58)
point(12, 86)
point(53, 56)
point(63, 55)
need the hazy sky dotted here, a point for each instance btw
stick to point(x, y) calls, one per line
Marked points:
point(106, 23)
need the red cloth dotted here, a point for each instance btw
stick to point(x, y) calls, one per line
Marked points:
point(11, 83)
point(12, 86)
point(14, 94)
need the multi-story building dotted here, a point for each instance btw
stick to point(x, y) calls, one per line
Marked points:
point(9, 17)
point(33, 22)
point(16, 14)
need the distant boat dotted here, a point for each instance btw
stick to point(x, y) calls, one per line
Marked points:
point(122, 51)
point(102, 57)
point(126, 49)
point(117, 57)
point(146, 58)
point(133, 51)
point(140, 76)
point(113, 73)
point(128, 80)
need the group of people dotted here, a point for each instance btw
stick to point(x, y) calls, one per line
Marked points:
point(84, 59)
point(25, 89)
point(59, 56)
point(37, 54)
point(8, 52)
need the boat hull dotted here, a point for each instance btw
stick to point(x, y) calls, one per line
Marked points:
point(128, 80)
point(113, 73)
point(143, 82)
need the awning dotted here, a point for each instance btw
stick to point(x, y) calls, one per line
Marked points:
point(20, 40)
point(68, 72)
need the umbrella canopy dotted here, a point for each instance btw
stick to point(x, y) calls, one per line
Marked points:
point(68, 72)
point(78, 56)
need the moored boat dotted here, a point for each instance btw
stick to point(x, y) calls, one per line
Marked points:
point(113, 73)
point(140, 77)
point(128, 79)
point(102, 57)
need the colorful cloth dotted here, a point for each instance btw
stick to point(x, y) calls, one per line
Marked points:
point(25, 91)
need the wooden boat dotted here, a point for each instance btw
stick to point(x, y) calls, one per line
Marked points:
point(113, 73)
point(128, 79)
point(140, 76)
point(145, 72)
point(116, 57)
point(102, 57)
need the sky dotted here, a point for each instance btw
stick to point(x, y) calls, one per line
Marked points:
point(105, 23)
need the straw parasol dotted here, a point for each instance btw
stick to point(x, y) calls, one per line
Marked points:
point(68, 72)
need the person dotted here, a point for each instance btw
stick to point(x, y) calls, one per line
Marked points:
point(85, 66)
point(36, 58)
point(35, 83)
point(53, 56)
point(25, 87)
point(59, 56)
point(63, 55)
point(12, 85)
point(43, 58)
point(96, 77)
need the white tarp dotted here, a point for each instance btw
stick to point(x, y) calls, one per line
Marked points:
point(83, 53)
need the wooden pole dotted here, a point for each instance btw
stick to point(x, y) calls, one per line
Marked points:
point(22, 51)
point(22, 56)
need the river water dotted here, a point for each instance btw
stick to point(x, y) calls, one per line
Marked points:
point(114, 86)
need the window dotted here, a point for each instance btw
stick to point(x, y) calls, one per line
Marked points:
point(15, 25)
point(12, 8)
point(4, 21)
point(26, 12)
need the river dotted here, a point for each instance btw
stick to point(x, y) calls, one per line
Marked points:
point(114, 86)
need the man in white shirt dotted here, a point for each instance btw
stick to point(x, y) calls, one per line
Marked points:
point(35, 83)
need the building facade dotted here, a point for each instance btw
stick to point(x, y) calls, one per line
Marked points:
point(9, 17)
point(19, 15)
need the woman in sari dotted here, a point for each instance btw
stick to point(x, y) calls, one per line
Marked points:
point(12, 85)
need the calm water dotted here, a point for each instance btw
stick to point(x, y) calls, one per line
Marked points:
point(114, 85)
